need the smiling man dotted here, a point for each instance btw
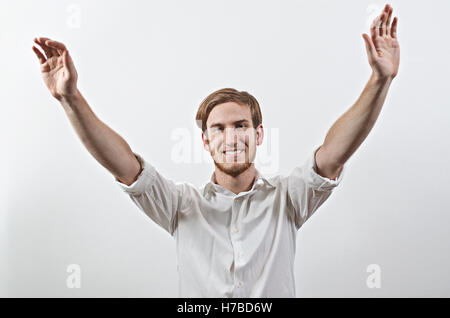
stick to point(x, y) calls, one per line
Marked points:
point(236, 235)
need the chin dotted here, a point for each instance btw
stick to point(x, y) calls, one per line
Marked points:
point(233, 169)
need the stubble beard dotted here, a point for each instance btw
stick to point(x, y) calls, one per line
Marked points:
point(233, 169)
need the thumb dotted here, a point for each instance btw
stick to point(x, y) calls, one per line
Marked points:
point(68, 62)
point(370, 48)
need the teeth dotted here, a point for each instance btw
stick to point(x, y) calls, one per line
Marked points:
point(234, 152)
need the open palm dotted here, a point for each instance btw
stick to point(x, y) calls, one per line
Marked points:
point(58, 70)
point(382, 46)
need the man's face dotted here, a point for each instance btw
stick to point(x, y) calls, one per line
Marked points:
point(231, 138)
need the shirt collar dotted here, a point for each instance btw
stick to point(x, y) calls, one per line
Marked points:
point(260, 179)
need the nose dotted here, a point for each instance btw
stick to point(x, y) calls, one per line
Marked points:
point(230, 137)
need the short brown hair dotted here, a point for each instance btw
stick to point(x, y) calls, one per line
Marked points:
point(225, 95)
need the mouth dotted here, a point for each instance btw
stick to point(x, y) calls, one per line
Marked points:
point(233, 152)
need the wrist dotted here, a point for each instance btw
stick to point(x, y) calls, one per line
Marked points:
point(70, 99)
point(382, 79)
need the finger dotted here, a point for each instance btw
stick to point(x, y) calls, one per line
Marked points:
point(373, 29)
point(56, 45)
point(394, 28)
point(68, 62)
point(383, 24)
point(55, 51)
point(370, 47)
point(39, 55)
point(384, 19)
point(378, 22)
point(388, 22)
point(49, 52)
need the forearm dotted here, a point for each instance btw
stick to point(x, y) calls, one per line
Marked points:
point(352, 128)
point(107, 147)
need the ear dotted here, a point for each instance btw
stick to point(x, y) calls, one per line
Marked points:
point(205, 141)
point(259, 135)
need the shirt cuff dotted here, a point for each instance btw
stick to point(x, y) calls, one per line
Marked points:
point(145, 179)
point(316, 180)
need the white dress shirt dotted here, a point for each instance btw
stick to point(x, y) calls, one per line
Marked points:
point(233, 245)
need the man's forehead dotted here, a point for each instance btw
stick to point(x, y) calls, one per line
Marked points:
point(229, 113)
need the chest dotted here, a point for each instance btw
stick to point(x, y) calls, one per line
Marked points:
point(252, 219)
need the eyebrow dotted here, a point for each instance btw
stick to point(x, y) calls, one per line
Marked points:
point(235, 123)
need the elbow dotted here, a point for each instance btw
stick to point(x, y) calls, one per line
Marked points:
point(326, 166)
point(133, 174)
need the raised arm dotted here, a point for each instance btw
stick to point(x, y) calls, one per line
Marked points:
point(107, 147)
point(352, 128)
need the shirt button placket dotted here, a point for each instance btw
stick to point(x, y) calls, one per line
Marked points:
point(235, 231)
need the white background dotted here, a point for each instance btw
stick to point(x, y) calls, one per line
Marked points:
point(144, 68)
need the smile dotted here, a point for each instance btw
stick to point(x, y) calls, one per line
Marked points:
point(233, 152)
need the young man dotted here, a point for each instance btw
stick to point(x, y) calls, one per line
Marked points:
point(236, 235)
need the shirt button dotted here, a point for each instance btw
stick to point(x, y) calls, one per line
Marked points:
point(236, 230)
point(239, 284)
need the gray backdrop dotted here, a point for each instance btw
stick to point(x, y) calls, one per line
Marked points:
point(144, 68)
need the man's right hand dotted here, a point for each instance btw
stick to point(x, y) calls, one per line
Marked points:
point(58, 70)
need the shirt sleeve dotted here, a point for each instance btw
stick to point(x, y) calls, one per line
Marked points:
point(158, 197)
point(307, 190)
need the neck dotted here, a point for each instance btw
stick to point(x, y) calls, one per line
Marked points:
point(241, 183)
